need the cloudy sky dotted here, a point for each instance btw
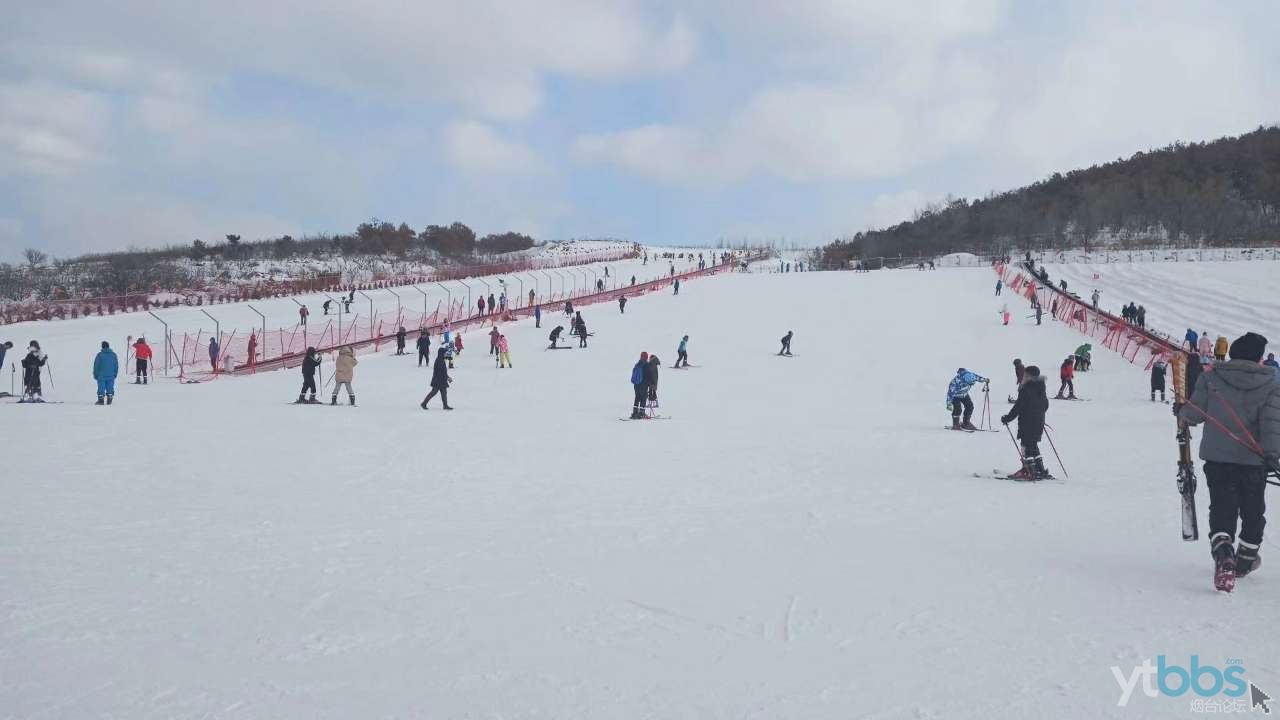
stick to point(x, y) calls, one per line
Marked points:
point(151, 123)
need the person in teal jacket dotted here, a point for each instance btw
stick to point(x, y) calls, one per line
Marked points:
point(682, 352)
point(106, 366)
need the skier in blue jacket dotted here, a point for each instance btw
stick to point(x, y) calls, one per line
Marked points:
point(106, 366)
point(958, 398)
point(1192, 338)
point(639, 386)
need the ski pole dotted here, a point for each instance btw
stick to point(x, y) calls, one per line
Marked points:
point(1018, 448)
point(49, 367)
point(1055, 451)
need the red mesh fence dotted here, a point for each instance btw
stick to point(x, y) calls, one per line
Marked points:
point(1133, 343)
point(247, 351)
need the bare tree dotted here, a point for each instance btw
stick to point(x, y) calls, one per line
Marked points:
point(34, 257)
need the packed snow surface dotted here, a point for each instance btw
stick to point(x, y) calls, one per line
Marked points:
point(800, 539)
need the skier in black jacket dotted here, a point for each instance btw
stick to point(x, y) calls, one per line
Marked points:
point(786, 343)
point(1157, 378)
point(31, 365)
point(651, 379)
point(400, 337)
point(1029, 410)
point(424, 347)
point(554, 337)
point(439, 382)
point(580, 326)
point(309, 366)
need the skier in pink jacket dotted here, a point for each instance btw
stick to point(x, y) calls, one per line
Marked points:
point(504, 352)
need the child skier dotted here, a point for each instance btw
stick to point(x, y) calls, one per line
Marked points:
point(457, 347)
point(142, 358)
point(682, 352)
point(310, 364)
point(786, 343)
point(504, 352)
point(105, 369)
point(450, 349)
point(958, 398)
point(31, 364)
point(1067, 374)
point(343, 372)
point(1029, 410)
point(1158, 367)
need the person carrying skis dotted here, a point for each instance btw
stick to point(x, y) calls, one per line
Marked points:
point(439, 381)
point(1220, 349)
point(142, 358)
point(651, 383)
point(622, 304)
point(344, 369)
point(682, 352)
point(1240, 400)
point(1084, 357)
point(401, 334)
point(106, 366)
point(786, 343)
point(1029, 410)
point(581, 326)
point(554, 337)
point(424, 347)
point(1158, 369)
point(213, 354)
point(639, 387)
point(958, 398)
point(310, 364)
point(493, 340)
point(504, 352)
point(1067, 374)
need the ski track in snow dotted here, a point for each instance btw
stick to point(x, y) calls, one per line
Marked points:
point(798, 541)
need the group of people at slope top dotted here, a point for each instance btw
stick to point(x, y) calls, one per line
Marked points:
point(495, 305)
point(1206, 350)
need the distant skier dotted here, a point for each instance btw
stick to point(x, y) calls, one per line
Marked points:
point(326, 305)
point(568, 308)
point(682, 354)
point(1067, 374)
point(1205, 345)
point(31, 365)
point(493, 304)
point(455, 350)
point(310, 364)
point(1004, 314)
point(1019, 371)
point(651, 383)
point(480, 306)
point(447, 338)
point(214, 351)
point(439, 382)
point(958, 401)
point(401, 335)
point(633, 280)
point(504, 352)
point(638, 385)
point(5, 347)
point(344, 369)
point(676, 285)
point(424, 347)
point(999, 287)
point(554, 337)
point(493, 340)
point(533, 298)
point(1084, 357)
point(1220, 349)
point(142, 361)
point(580, 327)
point(253, 349)
point(537, 315)
point(303, 312)
point(1096, 297)
point(1158, 368)
point(622, 304)
point(1039, 313)
point(502, 303)
point(1239, 446)
point(1191, 339)
point(1269, 362)
point(105, 369)
point(786, 343)
point(1029, 410)
point(1142, 317)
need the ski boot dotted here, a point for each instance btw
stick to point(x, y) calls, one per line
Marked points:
point(100, 401)
point(955, 423)
point(351, 400)
point(137, 381)
point(312, 400)
point(1224, 563)
point(1037, 467)
point(966, 425)
point(333, 400)
point(1072, 396)
point(1022, 473)
point(1247, 559)
point(144, 379)
point(110, 398)
point(302, 399)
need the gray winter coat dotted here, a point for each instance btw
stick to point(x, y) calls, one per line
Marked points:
point(1252, 393)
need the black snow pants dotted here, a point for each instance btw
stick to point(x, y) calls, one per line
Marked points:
point(308, 383)
point(962, 403)
point(141, 368)
point(1237, 491)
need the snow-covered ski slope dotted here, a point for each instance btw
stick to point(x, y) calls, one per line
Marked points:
point(801, 539)
point(1224, 298)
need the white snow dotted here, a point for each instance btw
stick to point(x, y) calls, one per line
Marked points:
point(801, 539)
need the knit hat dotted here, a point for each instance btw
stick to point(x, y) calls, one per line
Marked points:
point(1249, 346)
point(1031, 371)
point(105, 345)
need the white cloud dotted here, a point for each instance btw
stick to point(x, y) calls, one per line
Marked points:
point(50, 130)
point(475, 148)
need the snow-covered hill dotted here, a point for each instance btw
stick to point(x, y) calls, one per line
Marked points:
point(800, 539)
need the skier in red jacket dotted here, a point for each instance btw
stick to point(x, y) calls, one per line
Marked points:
point(1067, 374)
point(142, 353)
